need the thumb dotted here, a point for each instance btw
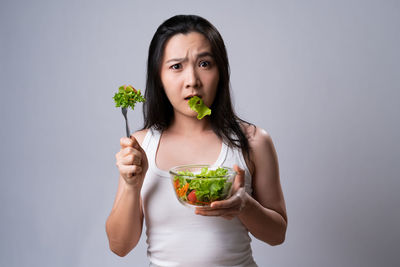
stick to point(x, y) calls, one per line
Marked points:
point(137, 146)
point(135, 143)
point(239, 180)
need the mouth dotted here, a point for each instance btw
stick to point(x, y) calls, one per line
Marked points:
point(190, 96)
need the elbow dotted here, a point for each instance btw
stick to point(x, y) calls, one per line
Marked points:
point(273, 239)
point(120, 246)
point(280, 236)
point(278, 241)
point(119, 251)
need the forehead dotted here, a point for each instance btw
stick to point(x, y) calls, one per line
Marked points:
point(182, 45)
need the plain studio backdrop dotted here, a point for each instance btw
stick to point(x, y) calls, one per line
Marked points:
point(322, 77)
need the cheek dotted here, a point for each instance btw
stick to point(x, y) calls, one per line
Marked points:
point(166, 81)
point(212, 88)
point(169, 85)
point(171, 94)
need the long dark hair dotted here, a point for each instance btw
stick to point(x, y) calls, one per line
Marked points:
point(158, 111)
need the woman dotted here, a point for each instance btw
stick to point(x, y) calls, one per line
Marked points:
point(187, 57)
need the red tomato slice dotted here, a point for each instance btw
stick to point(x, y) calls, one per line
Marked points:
point(192, 196)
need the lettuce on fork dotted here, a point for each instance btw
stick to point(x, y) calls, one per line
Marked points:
point(128, 97)
point(197, 104)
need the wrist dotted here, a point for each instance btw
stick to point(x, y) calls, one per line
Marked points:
point(132, 188)
point(246, 204)
point(132, 183)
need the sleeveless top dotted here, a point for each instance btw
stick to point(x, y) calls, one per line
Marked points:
point(176, 236)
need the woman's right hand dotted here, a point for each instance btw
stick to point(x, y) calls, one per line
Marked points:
point(132, 162)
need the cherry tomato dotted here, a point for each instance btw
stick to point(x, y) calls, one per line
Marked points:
point(192, 196)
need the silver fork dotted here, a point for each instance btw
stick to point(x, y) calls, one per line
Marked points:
point(124, 112)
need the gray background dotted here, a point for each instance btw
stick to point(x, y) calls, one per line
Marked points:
point(322, 77)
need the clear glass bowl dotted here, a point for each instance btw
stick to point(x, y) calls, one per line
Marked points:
point(199, 185)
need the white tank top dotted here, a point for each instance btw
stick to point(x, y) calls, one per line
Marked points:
point(176, 236)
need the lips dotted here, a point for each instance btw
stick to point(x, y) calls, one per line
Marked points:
point(190, 96)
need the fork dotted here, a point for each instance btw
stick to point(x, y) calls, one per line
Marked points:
point(124, 112)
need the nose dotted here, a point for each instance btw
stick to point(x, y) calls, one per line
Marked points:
point(191, 78)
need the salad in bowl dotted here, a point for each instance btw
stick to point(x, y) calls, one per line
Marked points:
point(199, 185)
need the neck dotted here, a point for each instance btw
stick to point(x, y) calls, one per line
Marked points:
point(185, 125)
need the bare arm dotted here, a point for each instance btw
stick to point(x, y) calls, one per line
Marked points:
point(264, 214)
point(124, 224)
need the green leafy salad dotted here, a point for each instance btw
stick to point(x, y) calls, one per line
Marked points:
point(197, 104)
point(203, 188)
point(128, 96)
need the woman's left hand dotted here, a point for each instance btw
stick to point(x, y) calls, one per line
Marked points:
point(232, 206)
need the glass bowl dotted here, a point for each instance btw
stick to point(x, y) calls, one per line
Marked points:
point(199, 185)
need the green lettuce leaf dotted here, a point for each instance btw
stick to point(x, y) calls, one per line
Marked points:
point(210, 185)
point(197, 104)
point(128, 97)
point(209, 189)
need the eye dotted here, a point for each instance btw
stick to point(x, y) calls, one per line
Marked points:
point(176, 66)
point(205, 64)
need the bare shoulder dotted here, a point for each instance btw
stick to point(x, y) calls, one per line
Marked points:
point(259, 139)
point(140, 135)
point(261, 147)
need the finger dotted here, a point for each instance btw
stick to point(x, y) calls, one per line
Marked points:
point(225, 204)
point(137, 159)
point(126, 170)
point(239, 180)
point(235, 200)
point(126, 151)
point(125, 142)
point(137, 170)
point(240, 174)
point(130, 170)
point(130, 159)
point(218, 212)
point(131, 151)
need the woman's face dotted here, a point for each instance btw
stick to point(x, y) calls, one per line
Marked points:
point(188, 68)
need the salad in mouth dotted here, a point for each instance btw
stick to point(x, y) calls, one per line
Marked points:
point(200, 188)
point(197, 104)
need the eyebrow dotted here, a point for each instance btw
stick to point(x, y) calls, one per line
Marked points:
point(204, 54)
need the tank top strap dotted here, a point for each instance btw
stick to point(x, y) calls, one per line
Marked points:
point(150, 146)
point(146, 140)
point(150, 143)
point(222, 155)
